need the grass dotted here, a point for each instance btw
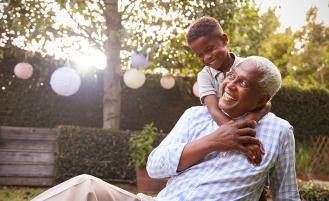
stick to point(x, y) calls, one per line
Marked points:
point(18, 193)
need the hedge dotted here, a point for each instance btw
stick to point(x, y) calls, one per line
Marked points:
point(103, 153)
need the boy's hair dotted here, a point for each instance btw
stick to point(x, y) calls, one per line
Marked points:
point(203, 26)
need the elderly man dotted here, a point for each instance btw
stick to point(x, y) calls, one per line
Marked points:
point(207, 162)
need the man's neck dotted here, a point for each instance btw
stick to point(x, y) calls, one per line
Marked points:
point(235, 118)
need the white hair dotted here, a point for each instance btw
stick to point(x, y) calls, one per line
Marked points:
point(270, 82)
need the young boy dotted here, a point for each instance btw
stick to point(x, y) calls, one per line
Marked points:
point(208, 40)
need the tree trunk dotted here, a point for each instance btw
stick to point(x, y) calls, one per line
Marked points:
point(112, 78)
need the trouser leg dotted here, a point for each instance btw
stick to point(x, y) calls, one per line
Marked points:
point(86, 188)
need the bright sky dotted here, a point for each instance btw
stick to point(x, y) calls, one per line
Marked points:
point(292, 12)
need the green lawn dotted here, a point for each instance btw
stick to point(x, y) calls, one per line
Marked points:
point(18, 193)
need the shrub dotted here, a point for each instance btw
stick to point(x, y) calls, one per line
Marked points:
point(314, 192)
point(103, 153)
point(141, 145)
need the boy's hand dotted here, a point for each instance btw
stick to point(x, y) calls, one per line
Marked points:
point(260, 113)
point(255, 153)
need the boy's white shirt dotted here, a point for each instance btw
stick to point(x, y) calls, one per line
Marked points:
point(210, 80)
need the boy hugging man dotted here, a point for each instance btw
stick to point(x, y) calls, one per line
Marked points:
point(207, 39)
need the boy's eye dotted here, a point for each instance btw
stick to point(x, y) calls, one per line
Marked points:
point(209, 49)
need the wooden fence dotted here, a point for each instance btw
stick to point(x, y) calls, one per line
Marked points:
point(27, 156)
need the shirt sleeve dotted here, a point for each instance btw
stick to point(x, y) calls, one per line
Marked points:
point(163, 160)
point(206, 86)
point(283, 176)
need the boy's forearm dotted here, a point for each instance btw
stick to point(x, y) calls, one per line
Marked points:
point(211, 101)
point(258, 114)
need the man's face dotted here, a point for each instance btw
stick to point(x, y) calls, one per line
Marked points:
point(241, 92)
point(211, 51)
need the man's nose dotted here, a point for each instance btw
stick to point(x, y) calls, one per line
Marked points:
point(231, 84)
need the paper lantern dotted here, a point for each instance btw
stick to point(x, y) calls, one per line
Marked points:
point(196, 89)
point(167, 81)
point(139, 61)
point(23, 70)
point(65, 81)
point(134, 78)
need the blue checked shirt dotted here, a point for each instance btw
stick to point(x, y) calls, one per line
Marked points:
point(225, 175)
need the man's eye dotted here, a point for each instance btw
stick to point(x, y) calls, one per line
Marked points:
point(230, 76)
point(243, 84)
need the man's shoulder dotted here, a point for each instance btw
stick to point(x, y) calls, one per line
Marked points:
point(197, 113)
point(197, 110)
point(275, 122)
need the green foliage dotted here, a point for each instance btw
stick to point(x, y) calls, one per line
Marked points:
point(103, 153)
point(309, 63)
point(303, 160)
point(18, 193)
point(313, 192)
point(141, 145)
point(305, 109)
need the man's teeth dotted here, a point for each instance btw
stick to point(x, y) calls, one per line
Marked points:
point(228, 97)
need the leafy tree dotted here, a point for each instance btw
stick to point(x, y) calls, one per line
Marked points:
point(119, 27)
point(310, 64)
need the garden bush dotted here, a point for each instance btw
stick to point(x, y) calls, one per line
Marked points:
point(103, 153)
point(313, 192)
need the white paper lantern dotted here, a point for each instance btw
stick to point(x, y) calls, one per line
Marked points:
point(139, 61)
point(196, 89)
point(65, 81)
point(134, 78)
point(23, 70)
point(167, 81)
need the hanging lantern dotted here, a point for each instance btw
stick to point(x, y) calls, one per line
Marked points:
point(134, 78)
point(139, 61)
point(167, 81)
point(23, 70)
point(65, 81)
point(196, 89)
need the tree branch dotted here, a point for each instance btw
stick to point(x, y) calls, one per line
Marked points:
point(89, 37)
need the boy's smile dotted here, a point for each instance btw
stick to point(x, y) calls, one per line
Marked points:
point(212, 52)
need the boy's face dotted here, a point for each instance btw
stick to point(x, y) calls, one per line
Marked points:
point(211, 51)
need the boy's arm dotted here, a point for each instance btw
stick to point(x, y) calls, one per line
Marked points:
point(258, 114)
point(211, 101)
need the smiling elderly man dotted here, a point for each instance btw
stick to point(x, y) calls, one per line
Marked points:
point(205, 161)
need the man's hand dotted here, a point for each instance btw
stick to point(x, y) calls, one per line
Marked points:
point(239, 136)
point(234, 136)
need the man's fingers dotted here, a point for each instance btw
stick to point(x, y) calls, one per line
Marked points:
point(245, 123)
point(247, 132)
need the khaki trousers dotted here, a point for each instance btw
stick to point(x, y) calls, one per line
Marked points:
point(88, 188)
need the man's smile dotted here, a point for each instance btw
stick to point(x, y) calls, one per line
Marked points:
point(228, 97)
